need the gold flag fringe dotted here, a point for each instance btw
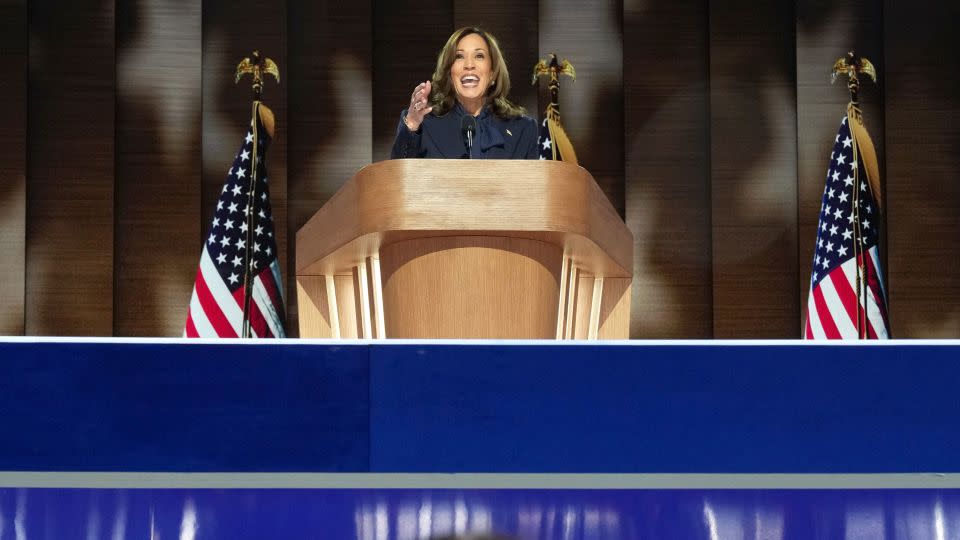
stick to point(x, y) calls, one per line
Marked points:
point(561, 143)
point(868, 154)
point(268, 119)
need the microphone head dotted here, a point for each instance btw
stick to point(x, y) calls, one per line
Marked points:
point(468, 124)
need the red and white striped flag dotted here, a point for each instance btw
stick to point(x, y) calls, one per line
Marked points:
point(847, 293)
point(216, 306)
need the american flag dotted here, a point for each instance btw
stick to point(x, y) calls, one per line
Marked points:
point(552, 138)
point(834, 309)
point(216, 306)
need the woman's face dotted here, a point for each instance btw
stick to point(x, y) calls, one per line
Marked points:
point(471, 70)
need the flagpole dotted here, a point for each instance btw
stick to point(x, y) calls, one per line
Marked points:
point(255, 67)
point(853, 85)
point(850, 66)
point(554, 86)
point(250, 217)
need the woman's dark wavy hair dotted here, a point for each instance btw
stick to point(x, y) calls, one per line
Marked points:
point(443, 96)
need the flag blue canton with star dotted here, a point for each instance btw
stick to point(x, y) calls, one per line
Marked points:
point(543, 141)
point(835, 234)
point(228, 232)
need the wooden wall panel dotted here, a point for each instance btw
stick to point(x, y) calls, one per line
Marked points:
point(330, 95)
point(158, 165)
point(13, 164)
point(592, 106)
point(707, 125)
point(407, 36)
point(753, 137)
point(922, 85)
point(667, 167)
point(826, 30)
point(231, 31)
point(514, 24)
point(70, 196)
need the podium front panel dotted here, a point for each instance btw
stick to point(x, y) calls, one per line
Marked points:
point(471, 287)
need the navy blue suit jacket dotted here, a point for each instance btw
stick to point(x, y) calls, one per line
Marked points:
point(440, 137)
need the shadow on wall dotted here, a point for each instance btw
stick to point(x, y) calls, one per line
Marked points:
point(69, 162)
point(714, 144)
point(330, 92)
point(231, 31)
point(158, 165)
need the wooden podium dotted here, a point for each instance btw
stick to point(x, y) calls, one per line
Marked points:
point(418, 248)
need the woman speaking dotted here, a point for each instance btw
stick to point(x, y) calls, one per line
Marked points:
point(464, 112)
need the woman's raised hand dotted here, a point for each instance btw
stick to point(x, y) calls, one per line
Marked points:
point(418, 106)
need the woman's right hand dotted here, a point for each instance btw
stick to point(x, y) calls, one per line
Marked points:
point(419, 108)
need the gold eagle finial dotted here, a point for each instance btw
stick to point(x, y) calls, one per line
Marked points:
point(257, 66)
point(553, 68)
point(851, 65)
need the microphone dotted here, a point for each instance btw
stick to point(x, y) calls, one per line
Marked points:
point(468, 126)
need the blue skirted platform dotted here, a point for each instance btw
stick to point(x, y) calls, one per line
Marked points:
point(581, 440)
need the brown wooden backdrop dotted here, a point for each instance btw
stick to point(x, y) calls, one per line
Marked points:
point(708, 125)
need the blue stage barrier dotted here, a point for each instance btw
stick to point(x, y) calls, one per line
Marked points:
point(665, 408)
point(679, 414)
point(141, 406)
point(485, 407)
